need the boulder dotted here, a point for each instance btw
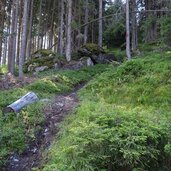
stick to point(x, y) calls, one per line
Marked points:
point(106, 58)
point(76, 65)
point(96, 54)
point(42, 68)
point(91, 49)
point(89, 62)
point(42, 60)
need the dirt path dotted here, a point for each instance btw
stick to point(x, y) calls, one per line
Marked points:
point(55, 113)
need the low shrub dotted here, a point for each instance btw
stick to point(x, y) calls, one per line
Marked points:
point(122, 123)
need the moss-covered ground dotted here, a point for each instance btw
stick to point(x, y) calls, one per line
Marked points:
point(17, 131)
point(123, 121)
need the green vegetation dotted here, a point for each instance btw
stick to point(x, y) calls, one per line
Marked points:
point(17, 131)
point(3, 69)
point(120, 55)
point(122, 123)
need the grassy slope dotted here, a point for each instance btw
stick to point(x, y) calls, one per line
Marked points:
point(123, 122)
point(16, 132)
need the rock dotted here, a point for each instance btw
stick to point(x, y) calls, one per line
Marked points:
point(42, 68)
point(73, 65)
point(89, 62)
point(91, 49)
point(59, 104)
point(76, 65)
point(96, 54)
point(46, 130)
point(32, 67)
point(106, 58)
point(43, 59)
point(34, 150)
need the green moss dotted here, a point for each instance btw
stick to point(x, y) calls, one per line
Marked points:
point(44, 52)
point(43, 57)
point(92, 48)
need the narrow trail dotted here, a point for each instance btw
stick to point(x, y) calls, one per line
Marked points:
point(61, 106)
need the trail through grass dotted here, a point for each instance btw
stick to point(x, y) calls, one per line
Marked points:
point(17, 131)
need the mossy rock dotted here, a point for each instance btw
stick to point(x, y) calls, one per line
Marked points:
point(91, 49)
point(42, 58)
point(44, 52)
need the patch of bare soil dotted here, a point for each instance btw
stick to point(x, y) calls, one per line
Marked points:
point(55, 113)
point(8, 81)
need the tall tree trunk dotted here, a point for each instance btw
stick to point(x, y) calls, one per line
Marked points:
point(14, 35)
point(61, 41)
point(4, 61)
point(28, 53)
point(86, 21)
point(24, 38)
point(128, 53)
point(134, 26)
point(100, 36)
point(39, 25)
point(51, 31)
point(19, 33)
point(69, 20)
point(2, 17)
point(79, 29)
point(11, 29)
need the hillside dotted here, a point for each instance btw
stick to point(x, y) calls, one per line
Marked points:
point(122, 123)
point(85, 85)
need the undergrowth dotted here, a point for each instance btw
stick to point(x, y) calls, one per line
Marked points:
point(18, 130)
point(123, 121)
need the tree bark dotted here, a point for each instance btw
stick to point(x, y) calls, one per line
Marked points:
point(86, 21)
point(134, 26)
point(24, 38)
point(19, 34)
point(100, 36)
point(39, 25)
point(28, 53)
point(69, 20)
point(10, 40)
point(16, 6)
point(2, 17)
point(61, 42)
point(128, 53)
point(25, 100)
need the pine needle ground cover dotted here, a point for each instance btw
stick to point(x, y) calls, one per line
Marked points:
point(17, 131)
point(123, 122)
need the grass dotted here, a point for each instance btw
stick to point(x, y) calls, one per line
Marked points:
point(122, 123)
point(17, 131)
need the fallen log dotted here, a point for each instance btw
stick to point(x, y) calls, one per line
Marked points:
point(25, 100)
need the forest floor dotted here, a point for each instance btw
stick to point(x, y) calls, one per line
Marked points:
point(55, 112)
point(8, 81)
point(120, 105)
point(27, 136)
